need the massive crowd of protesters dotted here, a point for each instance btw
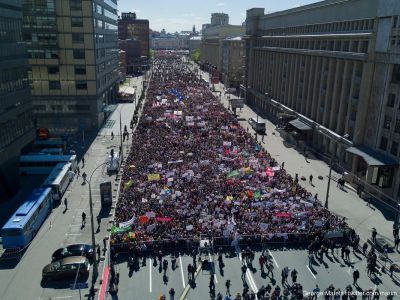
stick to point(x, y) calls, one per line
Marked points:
point(194, 170)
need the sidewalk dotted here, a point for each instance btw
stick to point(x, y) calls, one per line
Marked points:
point(345, 203)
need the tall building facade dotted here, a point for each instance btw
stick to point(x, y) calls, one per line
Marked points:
point(212, 37)
point(233, 61)
point(134, 39)
point(335, 66)
point(73, 61)
point(16, 122)
point(219, 19)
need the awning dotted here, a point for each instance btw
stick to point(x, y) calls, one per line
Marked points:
point(372, 157)
point(300, 125)
point(109, 108)
point(123, 89)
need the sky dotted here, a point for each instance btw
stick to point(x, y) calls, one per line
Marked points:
point(179, 15)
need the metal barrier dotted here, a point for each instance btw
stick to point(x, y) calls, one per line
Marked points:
point(291, 239)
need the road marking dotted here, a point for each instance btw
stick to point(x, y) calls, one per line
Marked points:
point(183, 276)
point(150, 274)
point(311, 272)
point(73, 233)
point(248, 274)
point(211, 261)
point(273, 258)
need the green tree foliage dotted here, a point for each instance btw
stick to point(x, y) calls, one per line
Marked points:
point(196, 56)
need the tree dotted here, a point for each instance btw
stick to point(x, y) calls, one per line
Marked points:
point(196, 56)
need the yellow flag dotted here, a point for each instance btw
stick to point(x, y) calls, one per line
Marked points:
point(153, 177)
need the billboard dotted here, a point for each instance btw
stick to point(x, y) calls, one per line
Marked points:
point(106, 194)
point(237, 103)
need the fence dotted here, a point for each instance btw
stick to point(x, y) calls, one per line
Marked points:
point(289, 240)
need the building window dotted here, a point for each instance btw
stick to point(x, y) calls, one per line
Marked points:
point(77, 37)
point(81, 85)
point(80, 70)
point(386, 123)
point(397, 127)
point(396, 74)
point(54, 85)
point(75, 5)
point(384, 142)
point(53, 70)
point(394, 149)
point(391, 100)
point(78, 107)
point(76, 22)
point(79, 54)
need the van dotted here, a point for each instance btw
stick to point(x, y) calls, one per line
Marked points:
point(258, 127)
point(113, 163)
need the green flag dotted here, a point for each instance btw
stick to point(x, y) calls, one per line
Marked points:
point(257, 194)
point(234, 173)
point(115, 229)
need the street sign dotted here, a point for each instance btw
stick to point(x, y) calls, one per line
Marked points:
point(237, 103)
point(79, 285)
point(106, 194)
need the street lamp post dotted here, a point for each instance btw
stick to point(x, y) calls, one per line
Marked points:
point(396, 221)
point(330, 173)
point(95, 266)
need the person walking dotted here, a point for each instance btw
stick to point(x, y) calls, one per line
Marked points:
point(311, 178)
point(374, 234)
point(84, 177)
point(396, 243)
point(283, 165)
point(78, 170)
point(112, 135)
point(212, 284)
point(228, 285)
point(244, 270)
point(364, 248)
point(293, 274)
point(356, 276)
point(98, 222)
point(165, 266)
point(66, 203)
point(261, 261)
point(83, 161)
point(189, 270)
point(83, 219)
point(171, 294)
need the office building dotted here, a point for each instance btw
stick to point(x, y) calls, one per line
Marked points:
point(218, 19)
point(233, 61)
point(211, 44)
point(335, 66)
point(16, 121)
point(134, 38)
point(73, 61)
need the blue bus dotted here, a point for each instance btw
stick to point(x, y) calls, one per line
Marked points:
point(23, 225)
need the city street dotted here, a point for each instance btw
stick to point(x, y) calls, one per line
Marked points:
point(64, 227)
point(345, 203)
point(149, 281)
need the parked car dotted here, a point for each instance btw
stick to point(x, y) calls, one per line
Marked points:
point(74, 250)
point(66, 268)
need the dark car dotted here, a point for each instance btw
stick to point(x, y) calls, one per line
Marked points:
point(74, 250)
point(67, 267)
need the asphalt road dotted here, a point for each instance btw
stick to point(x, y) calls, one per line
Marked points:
point(21, 279)
point(149, 281)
